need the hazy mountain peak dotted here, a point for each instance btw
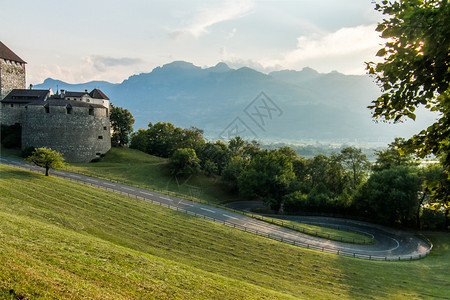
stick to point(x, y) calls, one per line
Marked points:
point(220, 68)
point(178, 65)
point(314, 106)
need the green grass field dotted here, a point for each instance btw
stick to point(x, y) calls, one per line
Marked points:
point(137, 168)
point(61, 239)
point(324, 232)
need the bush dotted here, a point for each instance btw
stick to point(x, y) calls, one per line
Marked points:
point(294, 202)
point(432, 219)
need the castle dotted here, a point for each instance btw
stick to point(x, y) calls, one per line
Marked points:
point(75, 124)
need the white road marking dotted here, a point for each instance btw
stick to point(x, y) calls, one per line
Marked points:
point(145, 193)
point(75, 176)
point(187, 204)
point(110, 184)
point(208, 210)
point(93, 180)
point(165, 198)
point(127, 188)
point(230, 217)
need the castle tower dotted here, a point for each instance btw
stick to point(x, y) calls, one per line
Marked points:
point(12, 71)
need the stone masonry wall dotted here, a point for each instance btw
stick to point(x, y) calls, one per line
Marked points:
point(10, 113)
point(79, 136)
point(12, 76)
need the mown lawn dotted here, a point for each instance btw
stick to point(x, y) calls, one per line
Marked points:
point(137, 168)
point(61, 239)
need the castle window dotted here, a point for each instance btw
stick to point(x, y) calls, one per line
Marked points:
point(100, 137)
point(104, 127)
point(12, 105)
point(98, 154)
point(69, 110)
point(47, 109)
point(91, 111)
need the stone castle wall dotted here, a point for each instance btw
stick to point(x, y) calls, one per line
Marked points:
point(12, 76)
point(11, 113)
point(81, 135)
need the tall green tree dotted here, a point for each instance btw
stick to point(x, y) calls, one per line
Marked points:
point(184, 161)
point(269, 175)
point(122, 125)
point(317, 168)
point(390, 196)
point(392, 156)
point(415, 71)
point(215, 156)
point(163, 139)
point(46, 158)
point(356, 163)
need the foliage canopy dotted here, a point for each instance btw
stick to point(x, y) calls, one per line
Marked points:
point(46, 158)
point(415, 70)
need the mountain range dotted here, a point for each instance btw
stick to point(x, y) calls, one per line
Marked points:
point(289, 106)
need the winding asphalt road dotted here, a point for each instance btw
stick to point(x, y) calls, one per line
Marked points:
point(390, 244)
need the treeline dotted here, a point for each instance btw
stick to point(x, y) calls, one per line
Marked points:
point(391, 191)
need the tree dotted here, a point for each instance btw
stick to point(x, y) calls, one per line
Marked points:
point(269, 175)
point(415, 70)
point(317, 168)
point(336, 177)
point(46, 158)
point(183, 162)
point(245, 149)
point(357, 163)
point(214, 153)
point(415, 73)
point(122, 124)
point(392, 156)
point(162, 139)
point(139, 140)
point(233, 169)
point(390, 196)
point(431, 175)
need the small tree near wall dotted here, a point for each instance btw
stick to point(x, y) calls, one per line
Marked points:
point(46, 158)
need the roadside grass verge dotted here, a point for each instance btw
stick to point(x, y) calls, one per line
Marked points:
point(137, 168)
point(62, 239)
point(324, 232)
point(133, 167)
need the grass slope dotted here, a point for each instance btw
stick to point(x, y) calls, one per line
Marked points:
point(138, 168)
point(60, 239)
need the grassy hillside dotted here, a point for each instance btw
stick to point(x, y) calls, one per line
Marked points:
point(65, 240)
point(138, 168)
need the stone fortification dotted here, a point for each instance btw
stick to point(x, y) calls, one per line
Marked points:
point(75, 124)
point(12, 71)
point(80, 131)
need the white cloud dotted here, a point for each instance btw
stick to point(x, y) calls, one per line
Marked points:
point(88, 68)
point(103, 63)
point(344, 50)
point(208, 16)
point(232, 33)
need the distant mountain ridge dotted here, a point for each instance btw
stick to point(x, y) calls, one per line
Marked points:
point(284, 105)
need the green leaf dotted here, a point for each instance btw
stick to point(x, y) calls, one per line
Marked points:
point(382, 52)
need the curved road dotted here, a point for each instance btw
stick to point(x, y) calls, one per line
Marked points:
point(389, 244)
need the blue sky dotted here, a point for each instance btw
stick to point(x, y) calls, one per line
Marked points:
point(79, 41)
